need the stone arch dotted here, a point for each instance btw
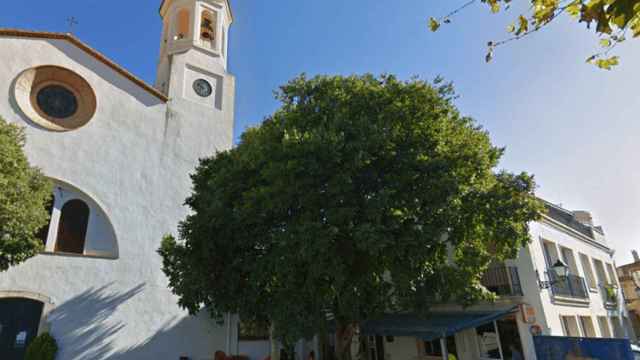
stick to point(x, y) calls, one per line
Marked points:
point(100, 238)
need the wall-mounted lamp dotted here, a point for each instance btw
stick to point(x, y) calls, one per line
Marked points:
point(560, 270)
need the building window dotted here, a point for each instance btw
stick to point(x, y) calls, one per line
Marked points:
point(602, 276)
point(55, 98)
point(489, 342)
point(605, 330)
point(628, 328)
point(57, 101)
point(618, 331)
point(510, 341)
point(569, 259)
point(550, 253)
point(43, 233)
point(208, 27)
point(570, 325)
point(612, 275)
point(183, 24)
point(72, 230)
point(588, 271)
point(433, 348)
point(587, 326)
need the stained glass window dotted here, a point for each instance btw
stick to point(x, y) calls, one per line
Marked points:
point(57, 101)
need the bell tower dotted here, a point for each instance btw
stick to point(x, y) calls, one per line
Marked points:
point(195, 27)
point(192, 69)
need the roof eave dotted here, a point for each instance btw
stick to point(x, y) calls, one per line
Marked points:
point(90, 51)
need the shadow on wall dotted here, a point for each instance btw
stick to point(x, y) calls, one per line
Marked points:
point(85, 329)
point(82, 325)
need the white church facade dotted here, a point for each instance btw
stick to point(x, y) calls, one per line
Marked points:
point(119, 152)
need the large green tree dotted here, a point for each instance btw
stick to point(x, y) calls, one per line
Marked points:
point(24, 193)
point(361, 195)
point(613, 20)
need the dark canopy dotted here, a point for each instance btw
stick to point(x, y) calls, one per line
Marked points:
point(436, 325)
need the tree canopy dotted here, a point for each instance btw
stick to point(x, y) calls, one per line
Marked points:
point(613, 20)
point(24, 193)
point(360, 195)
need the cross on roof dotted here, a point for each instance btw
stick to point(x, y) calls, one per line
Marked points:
point(72, 21)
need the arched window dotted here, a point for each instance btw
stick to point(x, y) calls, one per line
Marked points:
point(208, 26)
point(72, 230)
point(183, 24)
point(43, 233)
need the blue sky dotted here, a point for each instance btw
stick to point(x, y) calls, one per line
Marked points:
point(575, 127)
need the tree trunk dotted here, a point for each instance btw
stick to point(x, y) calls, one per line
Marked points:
point(275, 346)
point(323, 344)
point(344, 337)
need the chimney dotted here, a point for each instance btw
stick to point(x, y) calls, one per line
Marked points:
point(583, 217)
point(636, 257)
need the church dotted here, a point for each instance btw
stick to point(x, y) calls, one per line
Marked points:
point(119, 152)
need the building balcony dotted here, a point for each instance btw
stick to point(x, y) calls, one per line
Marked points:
point(503, 280)
point(571, 286)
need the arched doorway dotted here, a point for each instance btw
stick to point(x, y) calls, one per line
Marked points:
point(19, 322)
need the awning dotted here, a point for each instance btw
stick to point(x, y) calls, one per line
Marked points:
point(436, 325)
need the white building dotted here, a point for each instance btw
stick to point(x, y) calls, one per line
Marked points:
point(589, 303)
point(119, 152)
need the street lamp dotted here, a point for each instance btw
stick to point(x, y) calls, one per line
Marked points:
point(560, 270)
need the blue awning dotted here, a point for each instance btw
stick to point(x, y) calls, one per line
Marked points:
point(436, 325)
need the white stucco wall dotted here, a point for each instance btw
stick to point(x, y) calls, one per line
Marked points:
point(254, 349)
point(401, 348)
point(134, 158)
point(552, 308)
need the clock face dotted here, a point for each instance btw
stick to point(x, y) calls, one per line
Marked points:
point(202, 87)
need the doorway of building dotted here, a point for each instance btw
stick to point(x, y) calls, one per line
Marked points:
point(19, 322)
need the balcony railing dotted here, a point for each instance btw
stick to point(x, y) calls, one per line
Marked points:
point(571, 286)
point(503, 280)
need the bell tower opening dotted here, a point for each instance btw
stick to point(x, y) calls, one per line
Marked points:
point(195, 33)
point(208, 27)
point(183, 23)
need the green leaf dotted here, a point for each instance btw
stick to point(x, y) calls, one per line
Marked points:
point(574, 9)
point(523, 25)
point(495, 7)
point(605, 43)
point(434, 25)
point(635, 27)
point(511, 28)
point(24, 195)
point(608, 63)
